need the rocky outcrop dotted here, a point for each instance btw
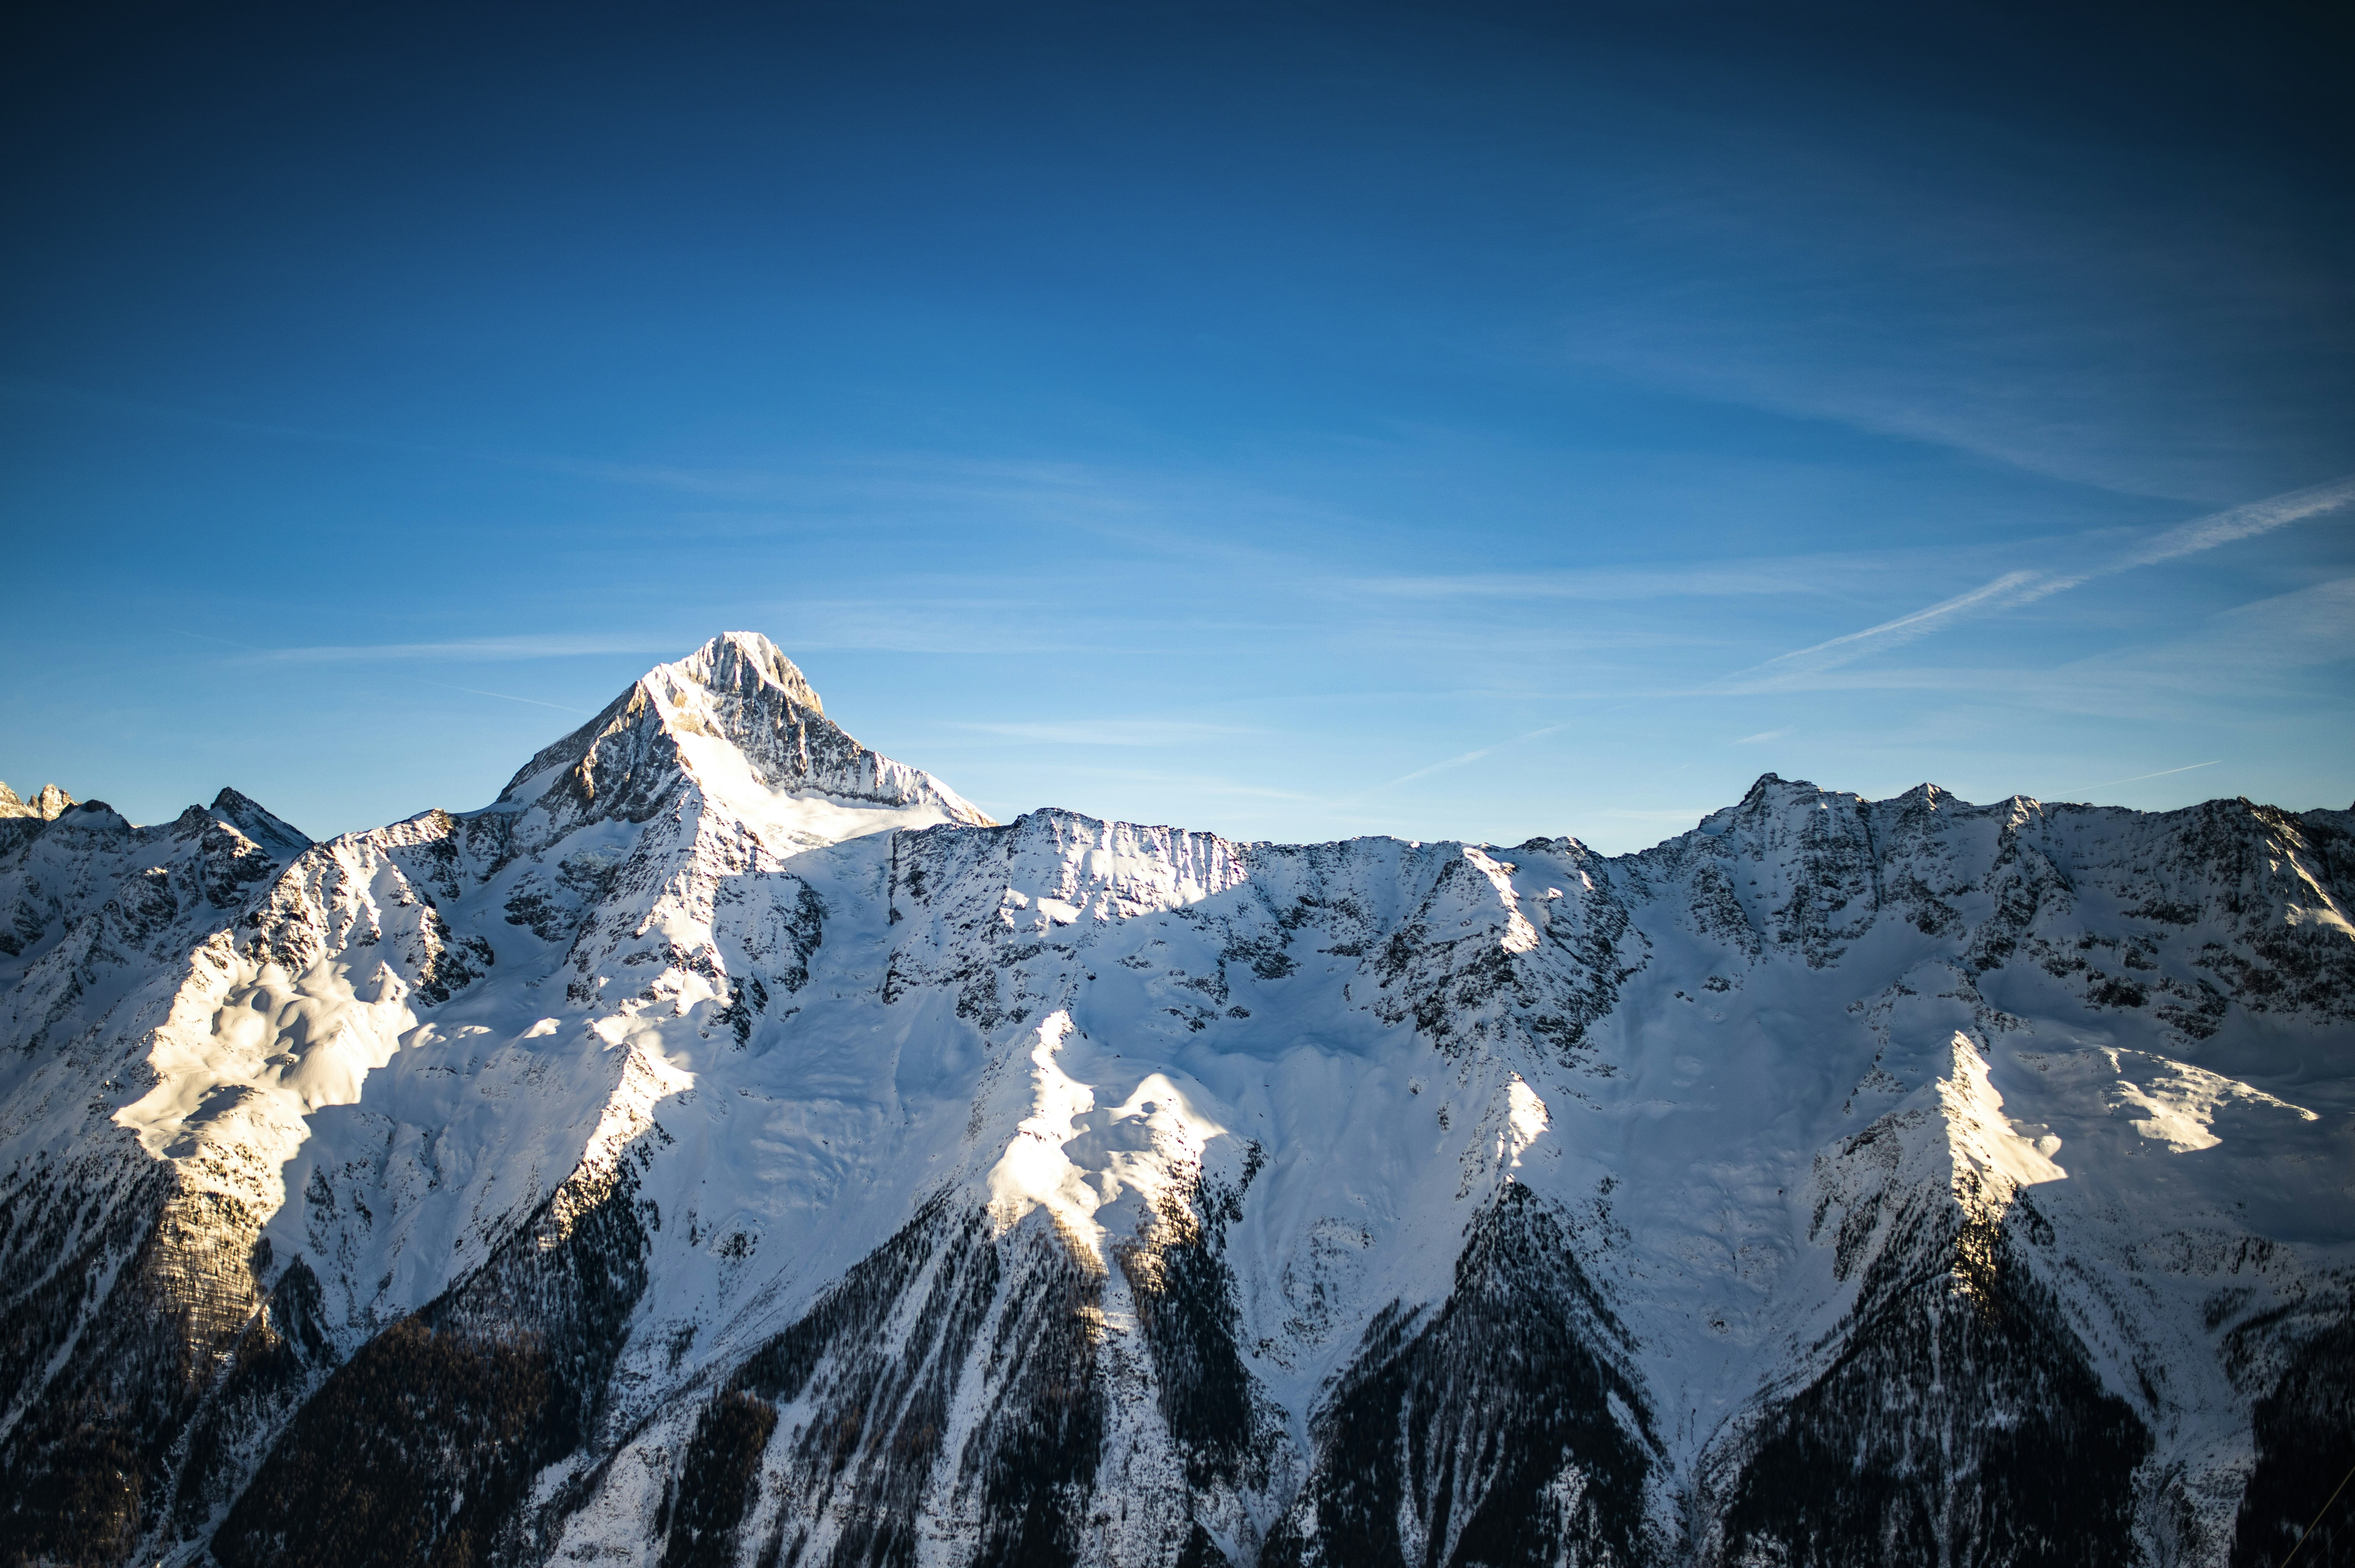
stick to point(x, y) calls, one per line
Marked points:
point(47, 806)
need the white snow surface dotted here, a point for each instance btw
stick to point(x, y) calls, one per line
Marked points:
point(816, 989)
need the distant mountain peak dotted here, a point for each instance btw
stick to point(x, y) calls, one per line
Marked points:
point(264, 828)
point(739, 719)
point(747, 726)
point(49, 806)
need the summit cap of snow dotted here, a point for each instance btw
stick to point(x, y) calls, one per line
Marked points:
point(740, 661)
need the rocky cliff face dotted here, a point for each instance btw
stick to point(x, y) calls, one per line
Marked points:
point(728, 1147)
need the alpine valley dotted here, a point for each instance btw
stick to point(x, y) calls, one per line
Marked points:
point(728, 1147)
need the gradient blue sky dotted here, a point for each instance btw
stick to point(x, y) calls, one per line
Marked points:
point(1293, 421)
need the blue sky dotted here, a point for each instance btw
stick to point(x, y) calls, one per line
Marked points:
point(1291, 421)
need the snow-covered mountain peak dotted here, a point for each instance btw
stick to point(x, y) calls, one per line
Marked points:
point(49, 804)
point(264, 828)
point(737, 722)
point(741, 662)
point(756, 739)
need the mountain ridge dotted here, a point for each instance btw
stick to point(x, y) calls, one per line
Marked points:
point(730, 1145)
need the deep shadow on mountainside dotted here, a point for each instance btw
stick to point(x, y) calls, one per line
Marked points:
point(730, 1147)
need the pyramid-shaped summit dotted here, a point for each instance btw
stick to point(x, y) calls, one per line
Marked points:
point(746, 662)
point(738, 720)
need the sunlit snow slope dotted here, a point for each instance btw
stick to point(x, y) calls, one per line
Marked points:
point(731, 1146)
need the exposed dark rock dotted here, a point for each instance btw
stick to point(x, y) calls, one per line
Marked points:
point(1498, 1430)
point(1959, 1422)
point(420, 1447)
point(2305, 1434)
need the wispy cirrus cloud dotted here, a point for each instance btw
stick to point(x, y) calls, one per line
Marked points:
point(913, 623)
point(1198, 783)
point(2026, 586)
point(693, 481)
point(465, 650)
point(1757, 579)
point(2236, 650)
point(1109, 731)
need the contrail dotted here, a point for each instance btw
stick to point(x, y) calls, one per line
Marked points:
point(2189, 767)
point(2011, 587)
point(1456, 762)
point(2242, 522)
point(508, 697)
point(2026, 587)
